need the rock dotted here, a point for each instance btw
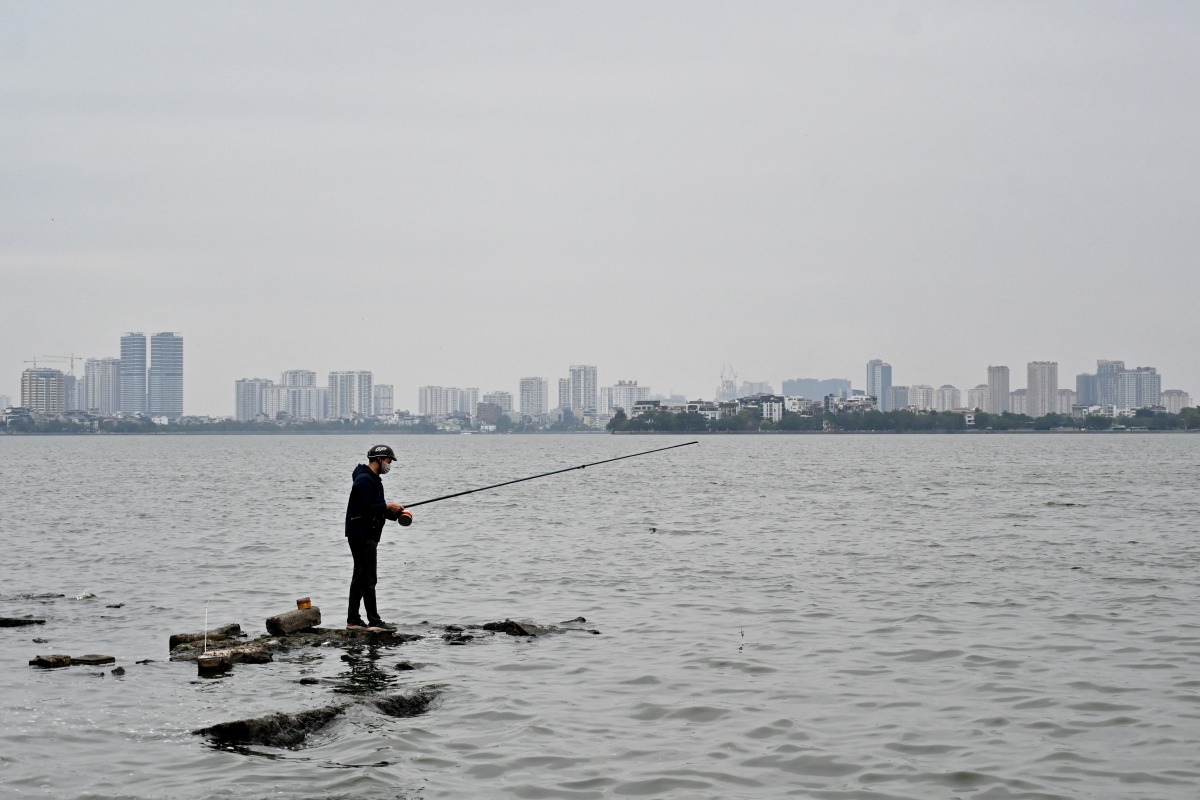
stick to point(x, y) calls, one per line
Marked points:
point(453, 628)
point(12, 622)
point(50, 661)
point(214, 635)
point(291, 730)
point(457, 638)
point(145, 661)
point(41, 641)
point(93, 660)
point(115, 605)
point(275, 730)
point(512, 628)
point(293, 621)
point(404, 666)
point(404, 705)
point(118, 671)
point(308, 681)
point(211, 664)
point(572, 621)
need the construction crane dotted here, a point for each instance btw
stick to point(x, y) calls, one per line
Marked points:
point(72, 358)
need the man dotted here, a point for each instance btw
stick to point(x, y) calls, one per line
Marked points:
point(365, 514)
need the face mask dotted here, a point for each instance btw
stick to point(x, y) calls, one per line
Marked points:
point(384, 467)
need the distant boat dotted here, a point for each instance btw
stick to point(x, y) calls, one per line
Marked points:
point(466, 433)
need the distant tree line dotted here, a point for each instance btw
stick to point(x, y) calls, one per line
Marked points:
point(905, 421)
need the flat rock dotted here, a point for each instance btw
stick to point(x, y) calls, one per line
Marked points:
point(222, 633)
point(93, 659)
point(19, 622)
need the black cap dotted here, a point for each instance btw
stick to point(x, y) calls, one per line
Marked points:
point(381, 451)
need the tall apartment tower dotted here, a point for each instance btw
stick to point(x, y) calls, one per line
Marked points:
point(1085, 389)
point(351, 394)
point(997, 399)
point(534, 394)
point(133, 373)
point(1107, 378)
point(102, 381)
point(251, 397)
point(1042, 393)
point(585, 391)
point(947, 398)
point(165, 394)
point(42, 390)
point(384, 400)
point(879, 383)
point(977, 398)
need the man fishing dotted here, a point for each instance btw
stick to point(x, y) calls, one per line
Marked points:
point(366, 512)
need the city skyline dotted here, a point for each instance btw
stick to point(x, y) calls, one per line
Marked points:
point(356, 386)
point(653, 191)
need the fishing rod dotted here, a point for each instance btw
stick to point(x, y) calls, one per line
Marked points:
point(406, 519)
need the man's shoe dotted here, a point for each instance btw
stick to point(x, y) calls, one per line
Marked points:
point(380, 625)
point(356, 626)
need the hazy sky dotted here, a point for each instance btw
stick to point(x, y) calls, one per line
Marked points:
point(463, 194)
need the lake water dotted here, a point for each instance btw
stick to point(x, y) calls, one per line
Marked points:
point(832, 616)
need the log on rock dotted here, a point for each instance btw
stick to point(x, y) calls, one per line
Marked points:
point(13, 622)
point(292, 621)
point(50, 661)
point(255, 652)
point(215, 635)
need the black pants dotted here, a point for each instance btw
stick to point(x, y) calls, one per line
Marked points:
point(362, 582)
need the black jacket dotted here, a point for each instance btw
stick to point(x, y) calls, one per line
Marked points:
point(367, 509)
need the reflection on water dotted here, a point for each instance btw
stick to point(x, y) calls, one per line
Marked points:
point(363, 674)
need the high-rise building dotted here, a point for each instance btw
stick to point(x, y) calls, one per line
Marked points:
point(133, 373)
point(1066, 400)
point(1148, 387)
point(816, 389)
point(564, 393)
point(431, 402)
point(977, 398)
point(1085, 389)
point(165, 395)
point(1042, 391)
point(623, 395)
point(500, 399)
point(879, 383)
point(998, 394)
point(1175, 400)
point(920, 396)
point(298, 377)
point(42, 390)
point(752, 388)
point(534, 398)
point(585, 391)
point(947, 398)
point(897, 398)
point(250, 397)
point(384, 400)
point(5, 401)
point(1018, 401)
point(1107, 373)
point(351, 394)
point(102, 381)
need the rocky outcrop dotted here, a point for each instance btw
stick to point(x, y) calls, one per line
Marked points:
point(291, 730)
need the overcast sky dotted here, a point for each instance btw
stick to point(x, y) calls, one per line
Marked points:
point(463, 194)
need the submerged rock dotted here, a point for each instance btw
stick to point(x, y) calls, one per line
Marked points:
point(19, 622)
point(291, 730)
